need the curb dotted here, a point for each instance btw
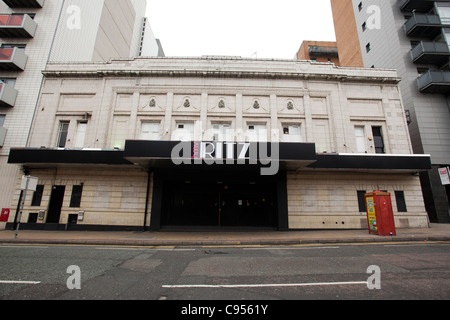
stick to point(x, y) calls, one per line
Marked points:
point(185, 243)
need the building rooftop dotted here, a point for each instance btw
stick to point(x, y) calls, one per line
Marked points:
point(220, 66)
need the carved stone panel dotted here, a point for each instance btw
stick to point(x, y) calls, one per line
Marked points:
point(222, 104)
point(187, 103)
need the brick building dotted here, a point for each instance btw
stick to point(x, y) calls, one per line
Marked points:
point(319, 51)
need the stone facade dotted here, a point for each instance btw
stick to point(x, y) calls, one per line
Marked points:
point(329, 201)
point(105, 104)
point(112, 198)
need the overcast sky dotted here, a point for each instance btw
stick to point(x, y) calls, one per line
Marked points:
point(262, 28)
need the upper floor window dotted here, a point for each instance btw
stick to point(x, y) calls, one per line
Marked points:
point(360, 139)
point(378, 139)
point(9, 81)
point(292, 133)
point(81, 134)
point(447, 35)
point(184, 132)
point(13, 45)
point(444, 12)
point(220, 131)
point(62, 134)
point(257, 133)
point(150, 131)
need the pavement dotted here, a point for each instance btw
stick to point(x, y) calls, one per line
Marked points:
point(436, 232)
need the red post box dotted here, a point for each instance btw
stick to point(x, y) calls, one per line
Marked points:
point(5, 215)
point(380, 216)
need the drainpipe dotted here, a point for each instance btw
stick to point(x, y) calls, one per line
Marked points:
point(26, 172)
point(147, 197)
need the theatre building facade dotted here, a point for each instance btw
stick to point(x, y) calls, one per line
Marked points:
point(216, 142)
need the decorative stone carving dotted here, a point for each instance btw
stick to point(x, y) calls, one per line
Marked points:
point(256, 105)
point(290, 105)
point(187, 103)
point(152, 103)
point(221, 104)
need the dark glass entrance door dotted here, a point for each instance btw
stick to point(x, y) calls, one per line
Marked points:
point(56, 202)
point(220, 204)
point(249, 206)
point(195, 205)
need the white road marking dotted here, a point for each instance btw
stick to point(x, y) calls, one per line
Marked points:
point(291, 248)
point(18, 282)
point(174, 249)
point(191, 286)
point(125, 249)
point(141, 249)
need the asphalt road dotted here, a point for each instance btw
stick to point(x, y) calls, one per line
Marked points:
point(405, 271)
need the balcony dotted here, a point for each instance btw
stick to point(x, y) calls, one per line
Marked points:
point(436, 53)
point(8, 95)
point(12, 59)
point(434, 82)
point(24, 3)
point(17, 26)
point(416, 5)
point(424, 25)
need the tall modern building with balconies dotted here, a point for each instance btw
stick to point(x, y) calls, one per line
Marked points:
point(34, 32)
point(412, 36)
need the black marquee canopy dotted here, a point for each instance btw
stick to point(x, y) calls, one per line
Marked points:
point(154, 154)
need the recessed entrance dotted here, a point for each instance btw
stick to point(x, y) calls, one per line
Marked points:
point(220, 204)
point(232, 200)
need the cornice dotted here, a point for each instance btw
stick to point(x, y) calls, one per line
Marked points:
point(227, 69)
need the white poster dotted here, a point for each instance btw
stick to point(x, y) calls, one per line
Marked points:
point(29, 183)
point(445, 177)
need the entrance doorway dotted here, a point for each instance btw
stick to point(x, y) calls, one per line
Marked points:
point(447, 189)
point(56, 202)
point(220, 204)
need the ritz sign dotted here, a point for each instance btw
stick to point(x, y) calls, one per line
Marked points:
point(229, 153)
